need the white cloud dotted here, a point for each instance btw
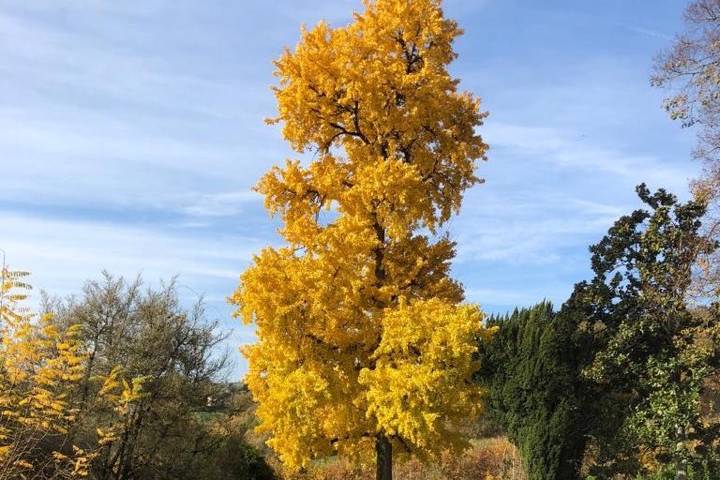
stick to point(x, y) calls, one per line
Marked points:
point(63, 253)
point(220, 204)
point(571, 150)
point(647, 32)
point(530, 242)
point(532, 228)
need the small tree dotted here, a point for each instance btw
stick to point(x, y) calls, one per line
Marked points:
point(362, 340)
point(151, 364)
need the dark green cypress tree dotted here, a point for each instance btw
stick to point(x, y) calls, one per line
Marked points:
point(531, 370)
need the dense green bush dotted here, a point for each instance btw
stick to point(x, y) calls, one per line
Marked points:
point(533, 390)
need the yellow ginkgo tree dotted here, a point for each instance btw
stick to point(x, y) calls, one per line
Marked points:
point(363, 342)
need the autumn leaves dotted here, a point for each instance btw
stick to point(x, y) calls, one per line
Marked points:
point(361, 334)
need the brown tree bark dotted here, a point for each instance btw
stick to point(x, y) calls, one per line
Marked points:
point(383, 452)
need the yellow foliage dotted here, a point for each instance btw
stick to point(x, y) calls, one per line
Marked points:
point(39, 364)
point(120, 395)
point(12, 292)
point(360, 329)
point(418, 388)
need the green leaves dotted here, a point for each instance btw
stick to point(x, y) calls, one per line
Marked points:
point(534, 392)
point(648, 364)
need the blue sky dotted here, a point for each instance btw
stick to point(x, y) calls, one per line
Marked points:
point(131, 133)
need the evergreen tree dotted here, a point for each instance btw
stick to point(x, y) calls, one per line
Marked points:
point(535, 395)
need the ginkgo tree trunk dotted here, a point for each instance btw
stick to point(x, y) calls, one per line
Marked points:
point(363, 342)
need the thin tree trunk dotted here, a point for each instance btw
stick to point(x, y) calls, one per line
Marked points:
point(383, 451)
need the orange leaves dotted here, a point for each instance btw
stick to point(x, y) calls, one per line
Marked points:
point(39, 365)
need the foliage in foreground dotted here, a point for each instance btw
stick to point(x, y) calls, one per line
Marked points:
point(115, 386)
point(40, 364)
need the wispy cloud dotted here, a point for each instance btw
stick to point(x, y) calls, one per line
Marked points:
point(526, 229)
point(63, 253)
point(647, 31)
point(131, 134)
point(221, 204)
point(567, 149)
